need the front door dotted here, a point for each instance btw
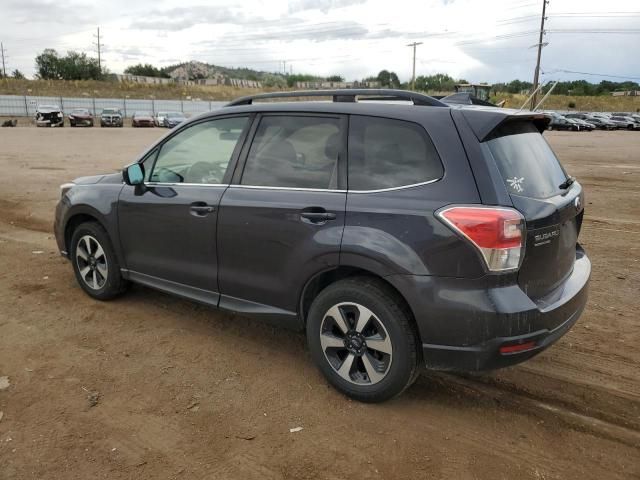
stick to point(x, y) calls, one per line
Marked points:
point(168, 225)
point(281, 221)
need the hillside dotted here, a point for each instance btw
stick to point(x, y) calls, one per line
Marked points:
point(103, 89)
point(194, 70)
point(97, 89)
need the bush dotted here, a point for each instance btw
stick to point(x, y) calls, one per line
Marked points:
point(572, 104)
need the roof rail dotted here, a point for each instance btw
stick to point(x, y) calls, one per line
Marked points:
point(346, 95)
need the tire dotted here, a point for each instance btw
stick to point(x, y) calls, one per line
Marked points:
point(361, 371)
point(96, 266)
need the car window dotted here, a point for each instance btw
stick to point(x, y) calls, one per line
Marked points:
point(385, 153)
point(525, 160)
point(200, 153)
point(294, 152)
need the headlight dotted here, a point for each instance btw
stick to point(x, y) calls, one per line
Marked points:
point(65, 187)
point(60, 114)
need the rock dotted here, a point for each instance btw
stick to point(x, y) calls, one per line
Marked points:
point(4, 383)
point(93, 398)
point(294, 430)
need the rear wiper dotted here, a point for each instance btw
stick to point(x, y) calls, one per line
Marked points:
point(567, 183)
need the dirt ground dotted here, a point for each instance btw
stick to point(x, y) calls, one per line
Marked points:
point(150, 386)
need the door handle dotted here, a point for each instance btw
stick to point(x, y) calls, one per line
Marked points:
point(201, 209)
point(316, 215)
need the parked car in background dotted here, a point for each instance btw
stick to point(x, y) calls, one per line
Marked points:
point(396, 236)
point(111, 117)
point(560, 122)
point(49, 116)
point(142, 119)
point(583, 124)
point(159, 119)
point(625, 122)
point(601, 123)
point(80, 117)
point(595, 122)
point(173, 119)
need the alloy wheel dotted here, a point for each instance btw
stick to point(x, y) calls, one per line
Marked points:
point(92, 262)
point(356, 343)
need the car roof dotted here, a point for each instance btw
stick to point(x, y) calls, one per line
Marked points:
point(482, 119)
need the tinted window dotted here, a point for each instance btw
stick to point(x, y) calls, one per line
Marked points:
point(295, 152)
point(387, 153)
point(199, 154)
point(525, 160)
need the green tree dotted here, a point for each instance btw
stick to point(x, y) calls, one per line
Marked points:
point(335, 78)
point(73, 66)
point(300, 77)
point(17, 74)
point(388, 79)
point(146, 70)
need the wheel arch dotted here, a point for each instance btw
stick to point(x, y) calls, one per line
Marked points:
point(322, 280)
point(77, 218)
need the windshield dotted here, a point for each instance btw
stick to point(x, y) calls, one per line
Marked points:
point(525, 160)
point(110, 110)
point(175, 115)
point(80, 112)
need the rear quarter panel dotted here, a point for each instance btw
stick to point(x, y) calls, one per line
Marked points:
point(396, 231)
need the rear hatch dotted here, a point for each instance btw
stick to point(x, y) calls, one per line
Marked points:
point(550, 200)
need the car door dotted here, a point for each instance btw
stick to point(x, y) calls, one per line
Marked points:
point(281, 220)
point(168, 224)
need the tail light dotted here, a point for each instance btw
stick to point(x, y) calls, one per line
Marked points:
point(498, 233)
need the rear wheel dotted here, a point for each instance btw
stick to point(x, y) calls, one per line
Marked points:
point(362, 337)
point(94, 262)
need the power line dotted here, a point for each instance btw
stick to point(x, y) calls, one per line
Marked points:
point(4, 68)
point(413, 76)
point(99, 46)
point(536, 75)
point(594, 74)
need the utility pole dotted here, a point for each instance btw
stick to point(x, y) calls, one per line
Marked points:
point(413, 76)
point(99, 46)
point(4, 68)
point(536, 75)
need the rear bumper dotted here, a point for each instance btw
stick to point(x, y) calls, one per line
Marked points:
point(464, 325)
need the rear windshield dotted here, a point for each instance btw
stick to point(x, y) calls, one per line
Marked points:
point(525, 160)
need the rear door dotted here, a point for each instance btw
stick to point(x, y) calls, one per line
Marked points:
point(551, 205)
point(281, 221)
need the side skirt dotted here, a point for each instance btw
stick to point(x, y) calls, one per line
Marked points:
point(272, 315)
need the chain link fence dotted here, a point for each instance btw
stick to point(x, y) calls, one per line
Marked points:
point(25, 105)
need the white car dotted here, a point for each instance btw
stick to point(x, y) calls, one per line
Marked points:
point(49, 116)
point(158, 119)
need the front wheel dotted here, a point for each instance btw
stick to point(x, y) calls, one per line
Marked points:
point(94, 262)
point(362, 337)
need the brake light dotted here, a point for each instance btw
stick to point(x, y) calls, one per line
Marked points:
point(497, 233)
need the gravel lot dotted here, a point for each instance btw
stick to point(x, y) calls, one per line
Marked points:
point(150, 386)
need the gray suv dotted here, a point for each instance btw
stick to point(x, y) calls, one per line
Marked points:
point(396, 229)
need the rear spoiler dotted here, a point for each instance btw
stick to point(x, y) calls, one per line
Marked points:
point(483, 121)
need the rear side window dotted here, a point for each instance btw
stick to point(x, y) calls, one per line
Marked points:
point(385, 153)
point(294, 152)
point(526, 162)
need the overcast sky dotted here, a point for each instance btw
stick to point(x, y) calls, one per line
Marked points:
point(479, 40)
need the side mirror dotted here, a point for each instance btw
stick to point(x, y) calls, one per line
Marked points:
point(133, 174)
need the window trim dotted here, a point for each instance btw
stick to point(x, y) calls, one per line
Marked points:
point(342, 157)
point(399, 187)
point(233, 161)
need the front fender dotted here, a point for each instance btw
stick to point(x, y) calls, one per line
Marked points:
point(97, 201)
